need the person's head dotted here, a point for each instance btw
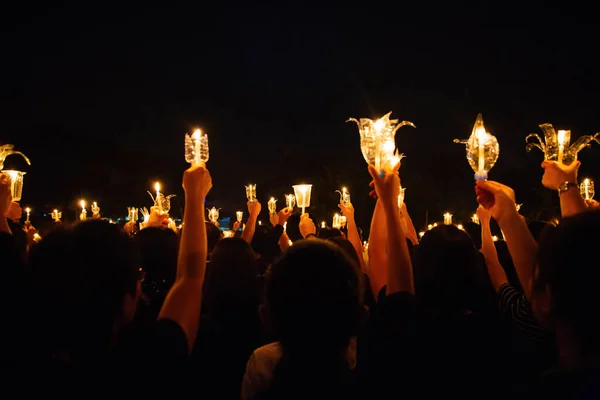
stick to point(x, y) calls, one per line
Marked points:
point(565, 288)
point(449, 276)
point(313, 299)
point(474, 232)
point(85, 283)
point(328, 233)
point(538, 229)
point(14, 212)
point(293, 227)
point(232, 280)
point(213, 235)
point(158, 249)
point(346, 247)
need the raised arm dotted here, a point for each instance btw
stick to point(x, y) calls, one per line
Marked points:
point(253, 211)
point(183, 303)
point(563, 179)
point(488, 249)
point(521, 245)
point(399, 265)
point(409, 227)
point(353, 236)
point(377, 269)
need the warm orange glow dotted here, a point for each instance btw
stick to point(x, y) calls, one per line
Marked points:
point(157, 186)
point(197, 134)
point(82, 203)
point(561, 136)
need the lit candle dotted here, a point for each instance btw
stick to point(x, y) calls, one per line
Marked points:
point(27, 210)
point(196, 138)
point(83, 214)
point(448, 218)
point(290, 201)
point(157, 200)
point(259, 222)
point(239, 215)
point(459, 226)
point(561, 136)
point(95, 208)
point(587, 189)
point(251, 192)
point(475, 218)
point(303, 196)
point(196, 148)
point(272, 206)
point(421, 234)
point(336, 221)
point(56, 215)
point(429, 227)
point(495, 238)
point(378, 125)
point(323, 224)
point(343, 220)
point(344, 196)
point(481, 138)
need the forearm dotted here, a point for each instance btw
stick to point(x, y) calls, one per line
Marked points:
point(496, 272)
point(399, 266)
point(411, 232)
point(354, 238)
point(521, 246)
point(193, 245)
point(248, 232)
point(377, 251)
point(571, 203)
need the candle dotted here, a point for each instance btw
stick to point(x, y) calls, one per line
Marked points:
point(196, 137)
point(272, 206)
point(448, 218)
point(323, 224)
point(561, 136)
point(290, 201)
point(378, 125)
point(429, 227)
point(239, 215)
point(196, 148)
point(481, 137)
point(344, 196)
point(336, 221)
point(475, 218)
point(56, 215)
point(421, 234)
point(27, 210)
point(83, 214)
point(459, 226)
point(259, 222)
point(343, 220)
point(251, 192)
point(303, 195)
point(157, 200)
point(587, 189)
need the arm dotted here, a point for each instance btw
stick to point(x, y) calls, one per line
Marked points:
point(571, 202)
point(495, 270)
point(409, 228)
point(253, 211)
point(183, 303)
point(516, 307)
point(377, 249)
point(353, 236)
point(555, 175)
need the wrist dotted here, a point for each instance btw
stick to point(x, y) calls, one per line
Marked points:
point(566, 186)
point(310, 236)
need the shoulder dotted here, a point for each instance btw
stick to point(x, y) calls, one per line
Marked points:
point(260, 369)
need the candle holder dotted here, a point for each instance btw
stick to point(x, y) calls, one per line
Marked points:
point(586, 188)
point(251, 192)
point(196, 148)
point(448, 218)
point(343, 220)
point(344, 196)
point(475, 219)
point(132, 214)
point(555, 145)
point(95, 209)
point(161, 202)
point(290, 201)
point(377, 140)
point(83, 213)
point(272, 204)
point(336, 221)
point(56, 215)
point(145, 214)
point(239, 215)
point(15, 179)
point(302, 196)
point(228, 234)
point(482, 149)
point(7, 150)
point(401, 196)
point(213, 214)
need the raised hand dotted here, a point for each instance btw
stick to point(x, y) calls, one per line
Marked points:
point(497, 198)
point(307, 226)
point(556, 174)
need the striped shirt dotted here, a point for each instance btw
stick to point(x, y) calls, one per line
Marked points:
point(515, 306)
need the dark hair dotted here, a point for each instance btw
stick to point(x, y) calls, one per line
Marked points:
point(474, 232)
point(449, 276)
point(568, 267)
point(159, 248)
point(293, 228)
point(213, 234)
point(538, 229)
point(328, 233)
point(80, 275)
point(347, 247)
point(314, 303)
point(232, 280)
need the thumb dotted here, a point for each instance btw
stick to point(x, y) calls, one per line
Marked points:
point(488, 186)
point(374, 174)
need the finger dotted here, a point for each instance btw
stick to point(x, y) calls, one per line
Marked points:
point(372, 184)
point(374, 174)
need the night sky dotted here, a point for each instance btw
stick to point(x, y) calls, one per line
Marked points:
point(100, 101)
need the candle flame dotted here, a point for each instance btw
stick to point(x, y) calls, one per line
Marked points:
point(481, 135)
point(586, 181)
point(82, 203)
point(28, 210)
point(378, 125)
point(561, 136)
point(157, 186)
point(197, 134)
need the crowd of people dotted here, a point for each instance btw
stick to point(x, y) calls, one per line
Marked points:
point(301, 312)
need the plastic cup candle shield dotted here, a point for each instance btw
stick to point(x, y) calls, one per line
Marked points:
point(448, 218)
point(228, 234)
point(556, 144)
point(213, 214)
point(302, 196)
point(336, 221)
point(475, 219)
point(161, 202)
point(377, 140)
point(132, 214)
point(16, 183)
point(56, 215)
point(290, 201)
point(95, 208)
point(344, 196)
point(83, 214)
point(482, 149)
point(28, 211)
point(343, 220)
point(586, 189)
point(196, 148)
point(239, 215)
point(272, 204)
point(251, 192)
